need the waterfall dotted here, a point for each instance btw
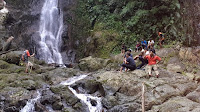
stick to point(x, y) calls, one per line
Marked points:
point(51, 29)
point(85, 98)
point(30, 105)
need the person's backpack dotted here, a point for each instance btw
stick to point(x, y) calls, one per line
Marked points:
point(24, 55)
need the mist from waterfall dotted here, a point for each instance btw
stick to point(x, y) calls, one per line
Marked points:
point(51, 29)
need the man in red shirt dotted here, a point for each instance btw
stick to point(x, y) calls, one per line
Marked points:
point(153, 60)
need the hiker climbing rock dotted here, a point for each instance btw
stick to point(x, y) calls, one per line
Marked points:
point(27, 63)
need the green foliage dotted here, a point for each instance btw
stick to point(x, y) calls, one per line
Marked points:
point(132, 20)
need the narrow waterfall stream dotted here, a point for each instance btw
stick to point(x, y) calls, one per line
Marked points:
point(30, 105)
point(85, 98)
point(51, 29)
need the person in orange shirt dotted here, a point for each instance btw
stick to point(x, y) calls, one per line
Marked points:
point(153, 60)
point(161, 39)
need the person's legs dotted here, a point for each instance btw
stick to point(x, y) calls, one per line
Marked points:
point(122, 67)
point(149, 68)
point(26, 64)
point(142, 64)
point(130, 67)
point(30, 65)
point(155, 67)
point(160, 44)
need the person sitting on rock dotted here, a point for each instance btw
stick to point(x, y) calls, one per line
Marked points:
point(152, 49)
point(152, 63)
point(129, 63)
point(144, 43)
point(150, 43)
point(141, 58)
point(128, 51)
point(27, 63)
point(138, 47)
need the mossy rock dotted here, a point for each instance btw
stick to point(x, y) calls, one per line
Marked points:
point(65, 93)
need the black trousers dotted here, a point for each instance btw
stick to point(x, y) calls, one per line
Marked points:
point(131, 67)
point(144, 62)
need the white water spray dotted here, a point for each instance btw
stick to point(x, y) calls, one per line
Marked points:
point(51, 29)
point(30, 105)
point(85, 98)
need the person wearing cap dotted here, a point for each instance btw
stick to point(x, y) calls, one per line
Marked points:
point(129, 63)
point(153, 60)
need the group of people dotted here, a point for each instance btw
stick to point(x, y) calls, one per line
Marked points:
point(147, 56)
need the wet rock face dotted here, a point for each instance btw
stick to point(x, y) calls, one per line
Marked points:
point(22, 21)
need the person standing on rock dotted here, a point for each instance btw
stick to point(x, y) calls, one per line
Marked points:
point(161, 39)
point(153, 60)
point(129, 63)
point(25, 57)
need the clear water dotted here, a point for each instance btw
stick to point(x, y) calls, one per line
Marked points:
point(51, 29)
point(85, 98)
point(30, 105)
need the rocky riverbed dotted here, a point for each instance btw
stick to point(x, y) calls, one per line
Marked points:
point(176, 90)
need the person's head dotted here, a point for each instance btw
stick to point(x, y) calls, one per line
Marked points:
point(128, 54)
point(129, 51)
point(151, 53)
point(138, 43)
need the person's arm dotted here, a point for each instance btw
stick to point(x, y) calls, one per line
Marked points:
point(137, 56)
point(158, 58)
point(32, 55)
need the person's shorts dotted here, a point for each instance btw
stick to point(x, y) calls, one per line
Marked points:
point(162, 41)
point(29, 64)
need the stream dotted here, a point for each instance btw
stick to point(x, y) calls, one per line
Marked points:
point(85, 98)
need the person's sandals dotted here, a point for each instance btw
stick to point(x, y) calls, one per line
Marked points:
point(157, 76)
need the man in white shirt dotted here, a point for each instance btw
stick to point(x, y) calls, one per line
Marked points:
point(150, 43)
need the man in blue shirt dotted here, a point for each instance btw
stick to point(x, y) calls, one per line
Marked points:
point(129, 63)
point(144, 43)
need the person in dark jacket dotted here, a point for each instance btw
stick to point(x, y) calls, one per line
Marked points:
point(129, 63)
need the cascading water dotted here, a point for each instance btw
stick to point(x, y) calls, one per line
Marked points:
point(84, 97)
point(51, 29)
point(30, 105)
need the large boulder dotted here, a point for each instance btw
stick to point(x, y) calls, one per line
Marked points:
point(15, 98)
point(12, 57)
point(66, 94)
point(165, 52)
point(177, 104)
point(93, 64)
point(191, 54)
point(175, 68)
